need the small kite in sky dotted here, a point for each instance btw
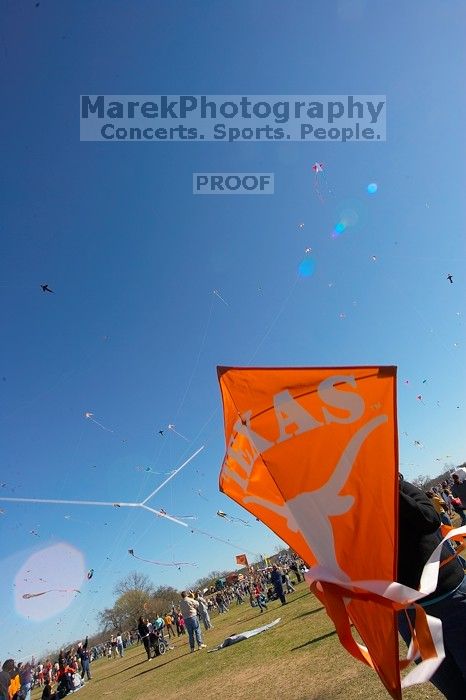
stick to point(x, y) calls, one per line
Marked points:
point(319, 180)
point(450, 278)
point(161, 563)
point(46, 288)
point(172, 427)
point(216, 292)
point(161, 432)
point(231, 518)
point(301, 226)
point(90, 416)
point(163, 512)
point(90, 574)
point(27, 596)
point(417, 443)
point(148, 470)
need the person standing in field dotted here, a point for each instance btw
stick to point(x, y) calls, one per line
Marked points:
point(203, 611)
point(143, 632)
point(189, 608)
point(169, 625)
point(276, 579)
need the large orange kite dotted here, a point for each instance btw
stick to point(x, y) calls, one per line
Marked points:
point(313, 453)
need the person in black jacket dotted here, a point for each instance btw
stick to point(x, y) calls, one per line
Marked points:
point(85, 657)
point(418, 536)
point(276, 579)
point(144, 635)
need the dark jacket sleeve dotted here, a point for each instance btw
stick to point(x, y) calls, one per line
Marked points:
point(417, 509)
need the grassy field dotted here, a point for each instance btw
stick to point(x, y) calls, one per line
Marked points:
point(300, 659)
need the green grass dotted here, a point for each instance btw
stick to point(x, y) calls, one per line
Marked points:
point(301, 658)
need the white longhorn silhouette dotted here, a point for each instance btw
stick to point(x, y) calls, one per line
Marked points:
point(310, 511)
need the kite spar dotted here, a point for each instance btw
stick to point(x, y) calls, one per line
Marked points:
point(115, 504)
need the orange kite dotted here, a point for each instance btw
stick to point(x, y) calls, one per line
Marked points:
point(242, 560)
point(313, 453)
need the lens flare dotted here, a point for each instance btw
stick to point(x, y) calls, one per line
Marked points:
point(59, 566)
point(351, 213)
point(339, 228)
point(306, 267)
point(372, 188)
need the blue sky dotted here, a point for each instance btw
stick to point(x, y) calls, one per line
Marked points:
point(133, 332)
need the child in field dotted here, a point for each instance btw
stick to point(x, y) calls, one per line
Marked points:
point(181, 624)
point(260, 598)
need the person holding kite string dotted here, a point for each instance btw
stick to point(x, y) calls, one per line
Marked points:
point(418, 535)
point(203, 610)
point(189, 609)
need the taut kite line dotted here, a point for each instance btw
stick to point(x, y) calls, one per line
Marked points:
point(161, 563)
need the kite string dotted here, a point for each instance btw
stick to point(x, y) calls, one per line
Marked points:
point(275, 319)
point(267, 332)
point(196, 363)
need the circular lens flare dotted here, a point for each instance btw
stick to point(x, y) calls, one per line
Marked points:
point(372, 188)
point(306, 267)
point(56, 572)
point(339, 229)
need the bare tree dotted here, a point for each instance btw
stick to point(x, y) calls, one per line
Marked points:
point(134, 581)
point(111, 619)
point(209, 580)
point(421, 481)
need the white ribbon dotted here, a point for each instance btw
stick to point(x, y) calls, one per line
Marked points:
point(398, 593)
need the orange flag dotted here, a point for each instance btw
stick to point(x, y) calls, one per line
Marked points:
point(242, 559)
point(313, 454)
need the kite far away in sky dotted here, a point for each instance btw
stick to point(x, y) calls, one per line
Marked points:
point(27, 596)
point(319, 180)
point(232, 518)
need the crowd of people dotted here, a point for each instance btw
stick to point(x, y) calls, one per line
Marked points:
point(424, 519)
point(419, 519)
point(194, 610)
point(67, 673)
point(449, 497)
